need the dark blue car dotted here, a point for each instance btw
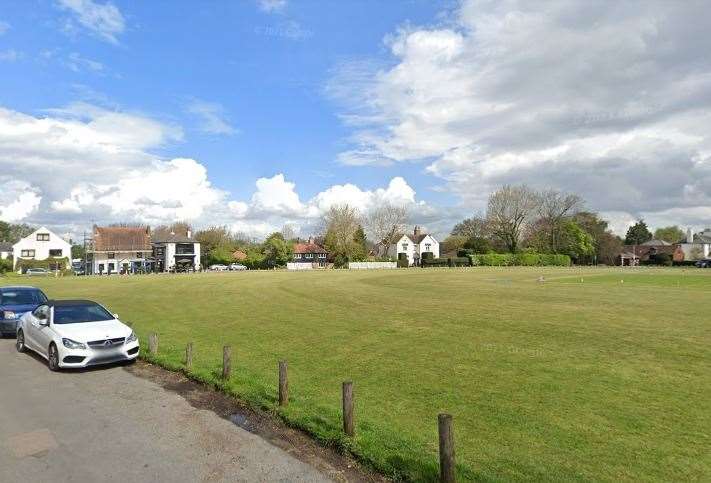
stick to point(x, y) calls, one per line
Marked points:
point(14, 302)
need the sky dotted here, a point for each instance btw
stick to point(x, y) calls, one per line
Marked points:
point(257, 114)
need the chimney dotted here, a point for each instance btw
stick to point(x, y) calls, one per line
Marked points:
point(311, 240)
point(189, 233)
point(689, 236)
point(416, 231)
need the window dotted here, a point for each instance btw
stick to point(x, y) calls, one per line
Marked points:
point(309, 255)
point(428, 247)
point(322, 255)
point(22, 297)
point(404, 247)
point(101, 267)
point(55, 253)
point(296, 256)
point(74, 314)
point(139, 254)
point(111, 255)
point(27, 253)
point(42, 236)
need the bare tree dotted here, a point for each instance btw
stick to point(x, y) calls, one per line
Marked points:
point(385, 222)
point(553, 208)
point(474, 227)
point(341, 223)
point(288, 232)
point(509, 211)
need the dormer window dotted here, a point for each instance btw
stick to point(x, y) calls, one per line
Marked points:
point(404, 246)
point(42, 236)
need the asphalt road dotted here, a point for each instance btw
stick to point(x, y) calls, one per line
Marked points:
point(110, 425)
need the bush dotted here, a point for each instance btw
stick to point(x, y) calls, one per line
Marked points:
point(460, 262)
point(427, 256)
point(5, 265)
point(465, 252)
point(402, 263)
point(519, 259)
point(49, 264)
point(402, 256)
point(434, 262)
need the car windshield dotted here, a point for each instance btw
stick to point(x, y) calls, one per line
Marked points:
point(22, 297)
point(76, 314)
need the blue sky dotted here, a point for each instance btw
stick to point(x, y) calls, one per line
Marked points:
point(260, 113)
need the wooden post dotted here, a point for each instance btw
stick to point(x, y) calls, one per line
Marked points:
point(283, 384)
point(226, 362)
point(348, 425)
point(446, 449)
point(189, 356)
point(153, 343)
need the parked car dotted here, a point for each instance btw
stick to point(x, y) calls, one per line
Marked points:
point(14, 303)
point(76, 333)
point(237, 267)
point(706, 263)
point(36, 271)
point(218, 268)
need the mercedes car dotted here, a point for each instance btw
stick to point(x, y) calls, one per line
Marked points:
point(76, 334)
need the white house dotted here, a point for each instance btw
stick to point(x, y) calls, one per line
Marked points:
point(176, 252)
point(41, 244)
point(119, 249)
point(414, 246)
point(695, 246)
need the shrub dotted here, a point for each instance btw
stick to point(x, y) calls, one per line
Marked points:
point(402, 256)
point(5, 265)
point(49, 264)
point(427, 256)
point(523, 259)
point(434, 262)
point(459, 262)
point(402, 262)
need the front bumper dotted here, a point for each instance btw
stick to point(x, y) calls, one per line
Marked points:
point(78, 358)
point(8, 326)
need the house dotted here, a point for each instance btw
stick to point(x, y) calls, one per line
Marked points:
point(5, 250)
point(239, 256)
point(694, 246)
point(633, 255)
point(42, 244)
point(119, 249)
point(176, 252)
point(414, 246)
point(310, 253)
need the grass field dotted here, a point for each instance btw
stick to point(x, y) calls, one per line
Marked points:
point(594, 374)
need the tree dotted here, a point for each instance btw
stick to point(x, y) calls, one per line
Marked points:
point(360, 245)
point(277, 251)
point(342, 223)
point(671, 234)
point(12, 233)
point(178, 227)
point(78, 251)
point(215, 243)
point(554, 207)
point(478, 245)
point(508, 213)
point(638, 234)
point(576, 242)
point(453, 243)
point(474, 227)
point(384, 223)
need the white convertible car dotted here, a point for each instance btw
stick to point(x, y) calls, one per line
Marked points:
point(76, 333)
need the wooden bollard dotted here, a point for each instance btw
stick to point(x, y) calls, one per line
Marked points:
point(446, 449)
point(226, 362)
point(189, 356)
point(153, 343)
point(348, 424)
point(283, 384)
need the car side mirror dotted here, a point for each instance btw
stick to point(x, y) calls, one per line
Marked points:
point(116, 316)
point(44, 322)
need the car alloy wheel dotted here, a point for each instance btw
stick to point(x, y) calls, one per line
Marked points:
point(20, 343)
point(53, 357)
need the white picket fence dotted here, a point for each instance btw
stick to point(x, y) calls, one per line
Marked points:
point(299, 266)
point(371, 265)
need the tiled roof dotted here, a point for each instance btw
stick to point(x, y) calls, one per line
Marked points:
point(656, 243)
point(308, 248)
point(239, 255)
point(172, 238)
point(5, 247)
point(121, 238)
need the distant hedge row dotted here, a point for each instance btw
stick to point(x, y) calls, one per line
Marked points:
point(519, 259)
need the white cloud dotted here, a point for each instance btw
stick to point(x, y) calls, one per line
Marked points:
point(103, 20)
point(4, 27)
point(10, 55)
point(18, 199)
point(272, 6)
point(77, 63)
point(606, 99)
point(212, 117)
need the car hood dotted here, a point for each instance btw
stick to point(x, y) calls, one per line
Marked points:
point(89, 331)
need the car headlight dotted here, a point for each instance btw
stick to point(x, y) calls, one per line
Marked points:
point(72, 344)
point(131, 338)
point(9, 315)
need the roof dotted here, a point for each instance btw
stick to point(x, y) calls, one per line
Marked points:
point(414, 239)
point(5, 247)
point(121, 238)
point(69, 303)
point(173, 238)
point(308, 248)
point(239, 255)
point(656, 243)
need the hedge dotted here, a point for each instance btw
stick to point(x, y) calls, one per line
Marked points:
point(434, 262)
point(49, 264)
point(523, 259)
